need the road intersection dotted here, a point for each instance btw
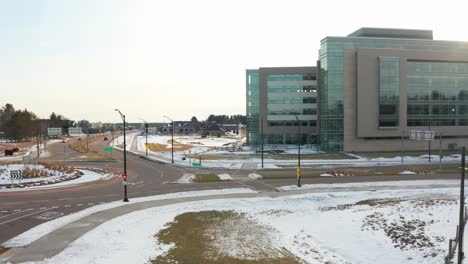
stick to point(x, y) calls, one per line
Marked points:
point(23, 210)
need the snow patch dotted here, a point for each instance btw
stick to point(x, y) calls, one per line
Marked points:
point(254, 176)
point(186, 178)
point(407, 172)
point(224, 177)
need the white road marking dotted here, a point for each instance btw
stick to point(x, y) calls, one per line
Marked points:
point(79, 204)
point(17, 210)
point(42, 208)
point(3, 212)
point(67, 205)
point(266, 184)
point(13, 214)
point(90, 203)
point(11, 220)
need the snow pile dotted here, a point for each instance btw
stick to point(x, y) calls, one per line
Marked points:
point(224, 177)
point(254, 176)
point(407, 172)
point(58, 181)
point(5, 173)
point(186, 178)
point(386, 227)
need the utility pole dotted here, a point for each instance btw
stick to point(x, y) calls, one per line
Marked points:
point(38, 142)
point(461, 224)
point(87, 138)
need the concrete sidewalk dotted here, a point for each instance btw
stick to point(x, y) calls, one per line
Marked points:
point(56, 241)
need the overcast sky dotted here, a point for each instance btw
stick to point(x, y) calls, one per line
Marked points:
point(177, 58)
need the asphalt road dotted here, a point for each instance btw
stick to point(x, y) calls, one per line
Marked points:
point(20, 211)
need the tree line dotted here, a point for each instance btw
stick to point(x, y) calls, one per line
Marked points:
point(227, 119)
point(20, 125)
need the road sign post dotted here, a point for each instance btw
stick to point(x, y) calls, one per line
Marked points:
point(16, 175)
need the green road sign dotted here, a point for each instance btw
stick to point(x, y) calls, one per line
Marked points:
point(196, 164)
point(108, 149)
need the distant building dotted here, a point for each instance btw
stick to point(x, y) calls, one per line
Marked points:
point(279, 100)
point(212, 129)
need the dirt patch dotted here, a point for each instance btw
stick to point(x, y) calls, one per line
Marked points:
point(157, 147)
point(405, 233)
point(221, 237)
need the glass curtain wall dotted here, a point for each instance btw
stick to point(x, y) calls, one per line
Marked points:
point(252, 102)
point(332, 77)
point(288, 96)
point(389, 91)
point(437, 94)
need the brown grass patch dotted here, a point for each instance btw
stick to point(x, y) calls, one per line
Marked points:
point(156, 147)
point(220, 237)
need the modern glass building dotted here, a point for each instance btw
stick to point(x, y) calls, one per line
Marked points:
point(395, 80)
point(282, 103)
point(368, 91)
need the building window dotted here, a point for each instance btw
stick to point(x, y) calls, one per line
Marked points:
point(389, 91)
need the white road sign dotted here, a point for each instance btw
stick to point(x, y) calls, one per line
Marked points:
point(421, 135)
point(54, 131)
point(75, 131)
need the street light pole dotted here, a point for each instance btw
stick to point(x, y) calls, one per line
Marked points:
point(261, 124)
point(430, 124)
point(298, 170)
point(146, 134)
point(172, 140)
point(125, 156)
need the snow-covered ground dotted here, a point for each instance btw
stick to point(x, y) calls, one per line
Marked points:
point(55, 179)
point(219, 146)
point(39, 231)
point(370, 185)
point(120, 140)
point(395, 226)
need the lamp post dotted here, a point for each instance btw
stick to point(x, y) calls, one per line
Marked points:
point(298, 170)
point(125, 157)
point(172, 141)
point(146, 135)
point(261, 126)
